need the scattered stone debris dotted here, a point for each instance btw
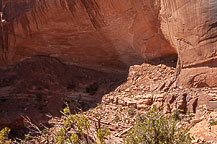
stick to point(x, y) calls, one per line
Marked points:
point(146, 85)
point(149, 85)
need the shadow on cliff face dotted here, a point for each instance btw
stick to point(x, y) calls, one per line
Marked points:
point(41, 85)
point(170, 61)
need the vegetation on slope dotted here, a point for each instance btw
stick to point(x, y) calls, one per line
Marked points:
point(153, 127)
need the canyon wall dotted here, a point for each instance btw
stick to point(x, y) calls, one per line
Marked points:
point(94, 33)
point(110, 33)
point(191, 27)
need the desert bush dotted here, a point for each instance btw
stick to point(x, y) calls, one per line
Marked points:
point(76, 130)
point(78, 125)
point(154, 127)
point(73, 129)
point(131, 111)
point(117, 119)
point(101, 134)
point(4, 136)
point(213, 123)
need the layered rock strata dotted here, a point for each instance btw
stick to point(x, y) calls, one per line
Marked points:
point(109, 34)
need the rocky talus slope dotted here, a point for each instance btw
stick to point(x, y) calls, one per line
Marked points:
point(149, 85)
point(48, 86)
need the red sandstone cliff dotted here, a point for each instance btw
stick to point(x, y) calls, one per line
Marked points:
point(111, 34)
point(85, 32)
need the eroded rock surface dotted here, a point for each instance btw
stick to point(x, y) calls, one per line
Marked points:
point(190, 26)
point(109, 34)
point(149, 85)
point(112, 28)
point(84, 32)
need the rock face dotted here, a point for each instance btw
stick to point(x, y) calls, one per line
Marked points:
point(149, 85)
point(85, 32)
point(198, 77)
point(191, 27)
point(109, 34)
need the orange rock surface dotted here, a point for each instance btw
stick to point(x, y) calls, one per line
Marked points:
point(109, 34)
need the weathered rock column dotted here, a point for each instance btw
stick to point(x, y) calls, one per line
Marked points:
point(191, 27)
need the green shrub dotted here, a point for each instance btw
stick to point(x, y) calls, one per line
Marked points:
point(4, 136)
point(154, 127)
point(73, 129)
point(80, 125)
point(101, 134)
point(132, 111)
point(117, 119)
point(213, 123)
